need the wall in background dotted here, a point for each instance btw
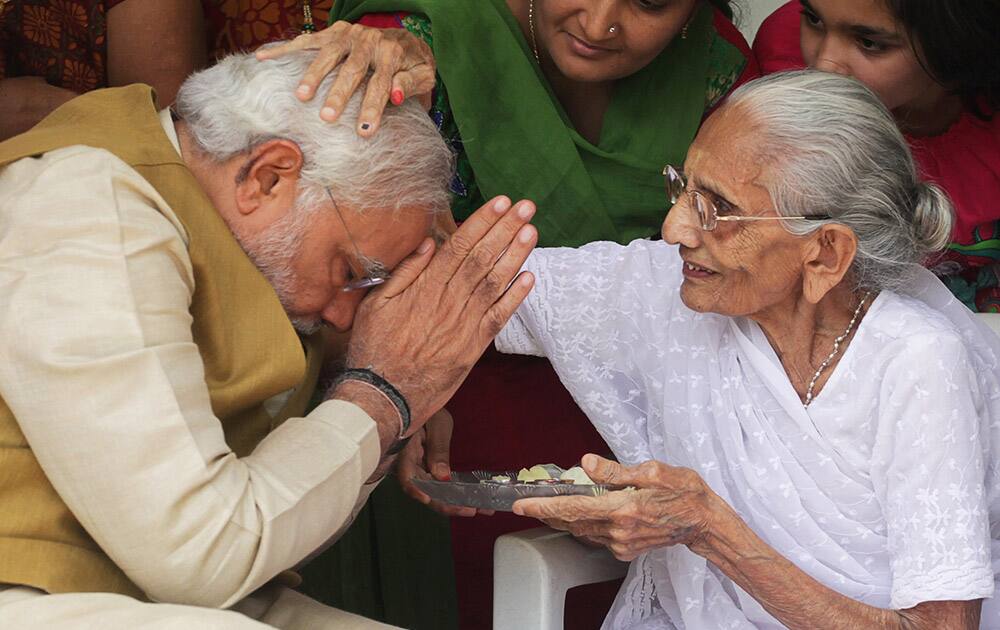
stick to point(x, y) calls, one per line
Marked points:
point(752, 12)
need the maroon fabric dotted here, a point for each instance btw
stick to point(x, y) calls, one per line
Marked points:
point(238, 25)
point(776, 45)
point(62, 41)
point(511, 412)
point(584, 602)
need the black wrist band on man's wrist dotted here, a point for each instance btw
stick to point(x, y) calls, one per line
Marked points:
point(398, 445)
point(369, 377)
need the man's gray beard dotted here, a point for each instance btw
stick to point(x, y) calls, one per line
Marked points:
point(273, 252)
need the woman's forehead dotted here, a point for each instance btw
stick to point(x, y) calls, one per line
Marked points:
point(728, 153)
point(855, 14)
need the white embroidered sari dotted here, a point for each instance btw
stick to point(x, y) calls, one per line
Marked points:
point(884, 489)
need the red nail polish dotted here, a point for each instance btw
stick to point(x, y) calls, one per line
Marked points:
point(397, 97)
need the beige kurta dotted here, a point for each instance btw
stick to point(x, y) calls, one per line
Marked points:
point(99, 366)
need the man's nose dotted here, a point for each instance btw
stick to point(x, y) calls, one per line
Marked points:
point(681, 226)
point(832, 57)
point(339, 313)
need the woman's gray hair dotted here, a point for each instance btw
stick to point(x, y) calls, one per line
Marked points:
point(241, 102)
point(836, 150)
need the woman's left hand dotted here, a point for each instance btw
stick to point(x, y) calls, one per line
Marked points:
point(669, 506)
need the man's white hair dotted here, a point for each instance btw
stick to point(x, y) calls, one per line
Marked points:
point(241, 102)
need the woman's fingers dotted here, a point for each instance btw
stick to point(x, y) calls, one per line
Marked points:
point(416, 82)
point(352, 72)
point(402, 65)
point(387, 63)
point(332, 42)
point(568, 509)
point(645, 475)
point(602, 470)
point(326, 60)
point(306, 41)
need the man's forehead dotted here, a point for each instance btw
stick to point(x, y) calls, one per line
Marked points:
point(386, 236)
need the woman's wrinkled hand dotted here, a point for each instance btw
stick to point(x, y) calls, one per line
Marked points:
point(669, 506)
point(426, 457)
point(402, 67)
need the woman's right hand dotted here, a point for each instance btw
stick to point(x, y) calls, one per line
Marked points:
point(426, 457)
point(402, 64)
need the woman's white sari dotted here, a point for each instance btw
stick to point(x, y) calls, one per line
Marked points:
point(884, 489)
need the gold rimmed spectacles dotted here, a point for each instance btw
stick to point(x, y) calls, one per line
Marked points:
point(375, 272)
point(708, 209)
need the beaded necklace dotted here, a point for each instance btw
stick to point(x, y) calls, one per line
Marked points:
point(308, 26)
point(836, 348)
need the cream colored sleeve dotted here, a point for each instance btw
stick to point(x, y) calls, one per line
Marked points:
point(99, 367)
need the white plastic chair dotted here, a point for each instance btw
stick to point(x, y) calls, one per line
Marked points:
point(533, 569)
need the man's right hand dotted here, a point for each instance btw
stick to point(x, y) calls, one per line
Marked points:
point(426, 327)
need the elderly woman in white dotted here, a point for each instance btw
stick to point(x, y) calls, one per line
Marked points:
point(809, 419)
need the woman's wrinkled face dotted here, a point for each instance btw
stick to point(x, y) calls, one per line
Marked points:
point(577, 35)
point(862, 39)
point(741, 268)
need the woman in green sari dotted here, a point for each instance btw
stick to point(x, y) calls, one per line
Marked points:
point(574, 104)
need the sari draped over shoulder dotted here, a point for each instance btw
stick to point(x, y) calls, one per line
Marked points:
point(884, 489)
point(521, 143)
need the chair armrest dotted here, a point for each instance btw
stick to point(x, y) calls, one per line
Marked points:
point(533, 569)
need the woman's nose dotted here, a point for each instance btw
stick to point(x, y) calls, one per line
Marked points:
point(339, 313)
point(598, 19)
point(832, 57)
point(681, 226)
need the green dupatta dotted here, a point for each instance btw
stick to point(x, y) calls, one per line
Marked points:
point(520, 142)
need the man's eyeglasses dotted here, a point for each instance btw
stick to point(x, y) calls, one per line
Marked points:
point(375, 272)
point(707, 209)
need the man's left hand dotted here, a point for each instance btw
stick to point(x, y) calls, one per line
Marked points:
point(427, 457)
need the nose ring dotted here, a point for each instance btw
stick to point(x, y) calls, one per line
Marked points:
point(613, 29)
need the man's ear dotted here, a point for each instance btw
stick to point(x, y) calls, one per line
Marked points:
point(267, 183)
point(829, 256)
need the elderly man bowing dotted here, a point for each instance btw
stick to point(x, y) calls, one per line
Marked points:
point(154, 268)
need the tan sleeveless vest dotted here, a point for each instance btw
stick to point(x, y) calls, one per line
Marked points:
point(246, 341)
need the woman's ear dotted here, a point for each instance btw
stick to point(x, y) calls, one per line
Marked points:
point(267, 183)
point(829, 256)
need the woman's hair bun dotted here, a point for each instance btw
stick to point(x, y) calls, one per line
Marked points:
point(933, 217)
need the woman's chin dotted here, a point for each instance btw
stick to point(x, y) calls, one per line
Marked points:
point(694, 297)
point(580, 70)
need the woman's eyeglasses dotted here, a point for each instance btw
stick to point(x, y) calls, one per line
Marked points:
point(375, 272)
point(707, 210)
